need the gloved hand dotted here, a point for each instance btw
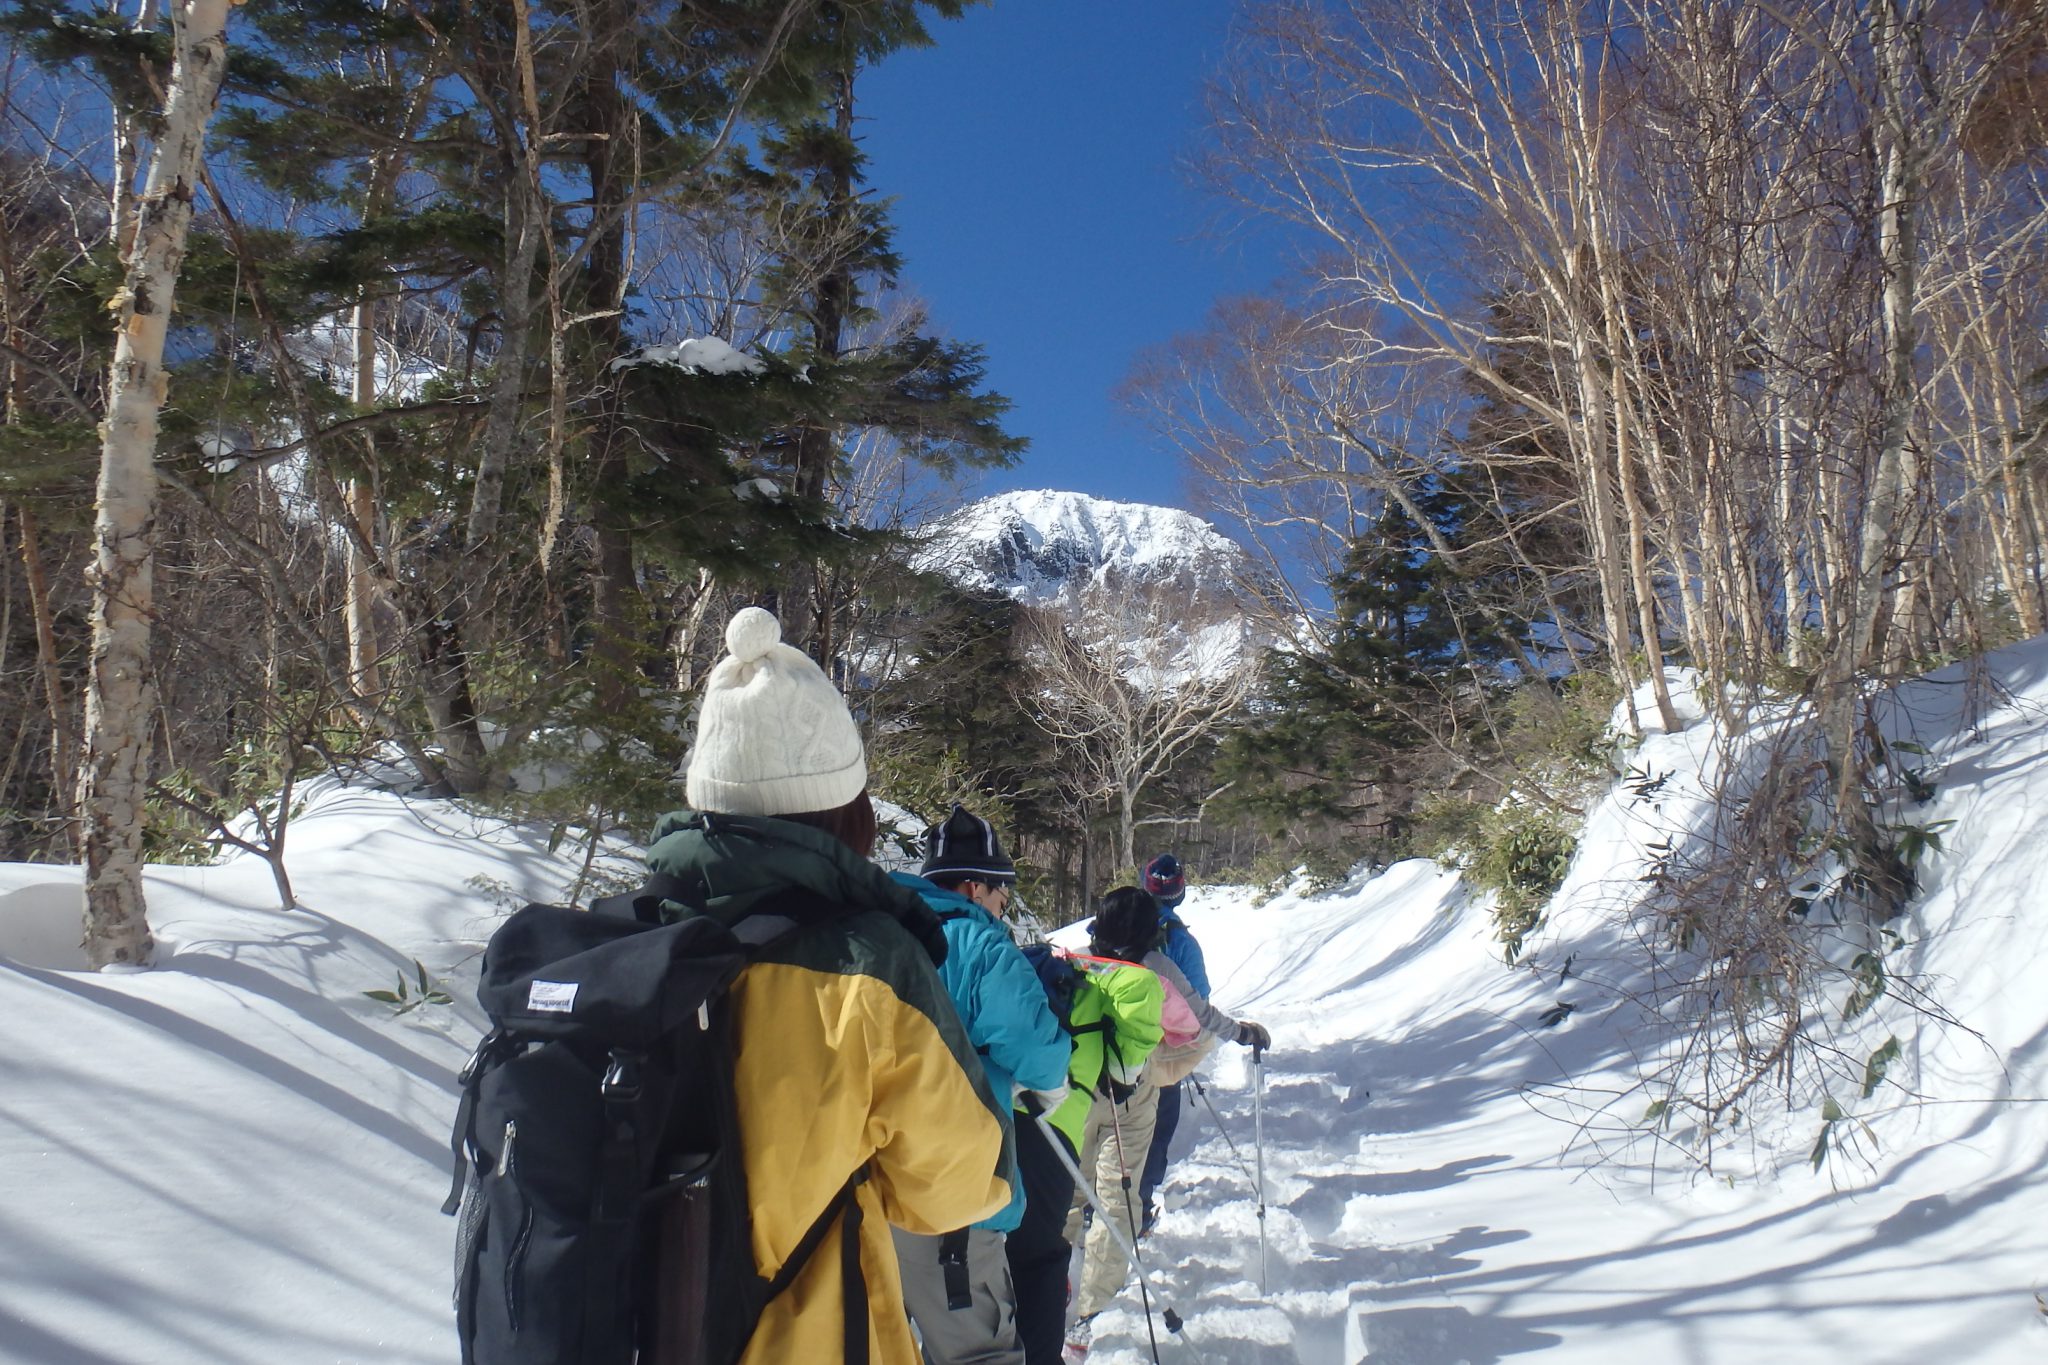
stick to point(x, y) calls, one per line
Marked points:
point(1046, 1100)
point(1117, 1091)
point(1254, 1036)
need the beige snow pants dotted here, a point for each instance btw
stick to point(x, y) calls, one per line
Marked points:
point(1105, 1160)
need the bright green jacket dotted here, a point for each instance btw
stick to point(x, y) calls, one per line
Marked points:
point(1115, 1022)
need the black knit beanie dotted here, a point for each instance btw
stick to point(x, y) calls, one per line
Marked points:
point(964, 847)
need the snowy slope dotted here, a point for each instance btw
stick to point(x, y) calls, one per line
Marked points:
point(238, 1158)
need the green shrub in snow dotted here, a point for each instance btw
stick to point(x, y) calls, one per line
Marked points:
point(1524, 854)
point(1305, 871)
point(1519, 852)
point(1562, 731)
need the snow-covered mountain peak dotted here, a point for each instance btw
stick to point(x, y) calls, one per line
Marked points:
point(1045, 547)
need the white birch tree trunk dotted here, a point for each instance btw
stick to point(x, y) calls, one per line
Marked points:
point(1623, 405)
point(1589, 439)
point(120, 699)
point(128, 151)
point(359, 501)
point(1897, 187)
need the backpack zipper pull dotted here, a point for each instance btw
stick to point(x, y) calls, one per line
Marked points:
point(704, 1017)
point(505, 1152)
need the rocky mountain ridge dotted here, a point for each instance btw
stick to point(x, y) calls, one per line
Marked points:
point(1047, 548)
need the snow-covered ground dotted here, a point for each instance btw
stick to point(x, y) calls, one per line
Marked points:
point(239, 1157)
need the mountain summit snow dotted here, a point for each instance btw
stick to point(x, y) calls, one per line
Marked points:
point(1046, 548)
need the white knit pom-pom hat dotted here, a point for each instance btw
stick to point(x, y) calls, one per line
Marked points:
point(774, 736)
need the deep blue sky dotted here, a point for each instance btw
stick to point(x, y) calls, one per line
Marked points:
point(1032, 155)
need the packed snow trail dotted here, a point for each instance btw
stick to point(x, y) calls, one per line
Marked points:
point(1301, 968)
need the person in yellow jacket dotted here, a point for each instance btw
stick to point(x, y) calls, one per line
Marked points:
point(850, 1055)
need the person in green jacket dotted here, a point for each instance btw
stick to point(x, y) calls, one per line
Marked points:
point(1112, 1010)
point(1120, 1125)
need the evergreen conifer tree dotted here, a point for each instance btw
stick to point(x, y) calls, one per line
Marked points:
point(538, 145)
point(1339, 733)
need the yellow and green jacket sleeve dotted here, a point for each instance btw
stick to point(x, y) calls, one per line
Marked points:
point(850, 1053)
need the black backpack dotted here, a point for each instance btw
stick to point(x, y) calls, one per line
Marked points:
point(1058, 977)
point(601, 1197)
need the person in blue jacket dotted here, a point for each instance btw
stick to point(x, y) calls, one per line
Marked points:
point(957, 1287)
point(1166, 882)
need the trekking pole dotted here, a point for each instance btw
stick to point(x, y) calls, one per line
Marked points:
point(1087, 1188)
point(1257, 1178)
point(1235, 1155)
point(1259, 1150)
point(1123, 1170)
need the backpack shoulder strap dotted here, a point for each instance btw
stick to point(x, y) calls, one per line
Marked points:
point(485, 1055)
point(853, 1285)
point(644, 904)
point(781, 914)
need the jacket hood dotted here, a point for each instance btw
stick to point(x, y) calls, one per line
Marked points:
point(941, 900)
point(740, 860)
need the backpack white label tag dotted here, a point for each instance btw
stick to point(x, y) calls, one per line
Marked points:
point(551, 997)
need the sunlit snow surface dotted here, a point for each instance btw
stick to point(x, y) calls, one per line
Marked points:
point(238, 1157)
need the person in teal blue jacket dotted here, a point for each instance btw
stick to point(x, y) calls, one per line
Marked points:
point(958, 1287)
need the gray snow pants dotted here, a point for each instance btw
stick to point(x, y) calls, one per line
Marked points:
point(982, 1333)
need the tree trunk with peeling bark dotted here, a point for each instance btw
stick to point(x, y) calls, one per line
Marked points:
point(120, 703)
point(1893, 37)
